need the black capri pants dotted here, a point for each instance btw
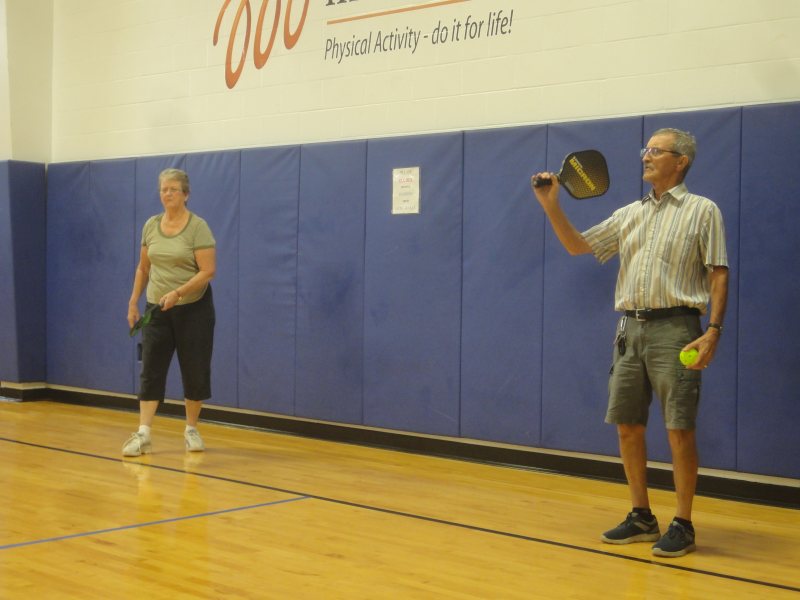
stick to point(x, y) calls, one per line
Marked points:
point(189, 329)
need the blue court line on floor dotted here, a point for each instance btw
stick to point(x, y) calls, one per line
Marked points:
point(149, 523)
point(417, 517)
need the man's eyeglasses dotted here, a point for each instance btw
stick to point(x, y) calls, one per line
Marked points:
point(656, 152)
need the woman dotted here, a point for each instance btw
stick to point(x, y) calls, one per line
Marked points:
point(177, 262)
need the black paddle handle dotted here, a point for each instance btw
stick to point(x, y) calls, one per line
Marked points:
point(542, 181)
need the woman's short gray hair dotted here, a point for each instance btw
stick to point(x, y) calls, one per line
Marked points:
point(176, 175)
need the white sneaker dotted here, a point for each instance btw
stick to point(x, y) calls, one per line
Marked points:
point(194, 443)
point(136, 445)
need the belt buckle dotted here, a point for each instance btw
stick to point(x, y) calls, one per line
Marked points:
point(642, 311)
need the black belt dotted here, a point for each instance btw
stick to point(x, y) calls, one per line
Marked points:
point(649, 314)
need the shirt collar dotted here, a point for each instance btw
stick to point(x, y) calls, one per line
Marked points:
point(679, 192)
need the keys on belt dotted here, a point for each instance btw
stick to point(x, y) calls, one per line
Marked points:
point(619, 340)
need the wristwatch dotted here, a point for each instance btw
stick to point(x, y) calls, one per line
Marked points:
point(716, 326)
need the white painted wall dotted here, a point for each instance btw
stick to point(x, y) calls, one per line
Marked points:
point(5, 89)
point(141, 77)
point(30, 49)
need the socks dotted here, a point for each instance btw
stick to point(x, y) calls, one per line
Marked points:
point(647, 515)
point(145, 430)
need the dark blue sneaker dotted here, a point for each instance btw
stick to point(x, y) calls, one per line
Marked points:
point(634, 528)
point(678, 541)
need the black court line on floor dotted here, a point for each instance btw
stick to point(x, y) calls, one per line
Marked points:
point(398, 513)
point(710, 485)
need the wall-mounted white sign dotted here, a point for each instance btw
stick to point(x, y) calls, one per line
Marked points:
point(405, 191)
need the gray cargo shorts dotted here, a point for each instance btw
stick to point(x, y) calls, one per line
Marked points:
point(650, 364)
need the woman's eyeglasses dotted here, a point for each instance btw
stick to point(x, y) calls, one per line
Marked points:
point(171, 190)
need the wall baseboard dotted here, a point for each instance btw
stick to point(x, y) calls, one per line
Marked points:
point(18, 392)
point(733, 486)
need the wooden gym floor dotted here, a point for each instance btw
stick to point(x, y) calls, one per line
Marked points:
point(268, 515)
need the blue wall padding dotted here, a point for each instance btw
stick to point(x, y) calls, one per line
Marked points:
point(468, 319)
point(215, 180)
point(412, 300)
point(769, 292)
point(716, 175)
point(330, 282)
point(148, 203)
point(9, 359)
point(89, 221)
point(268, 224)
point(22, 265)
point(27, 189)
point(501, 358)
point(67, 185)
point(579, 317)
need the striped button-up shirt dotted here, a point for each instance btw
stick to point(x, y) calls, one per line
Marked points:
point(666, 248)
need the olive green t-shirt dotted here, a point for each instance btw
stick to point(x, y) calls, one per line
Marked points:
point(172, 261)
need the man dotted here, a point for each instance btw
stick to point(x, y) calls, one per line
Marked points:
point(673, 261)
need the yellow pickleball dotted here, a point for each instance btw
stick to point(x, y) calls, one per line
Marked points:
point(688, 356)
